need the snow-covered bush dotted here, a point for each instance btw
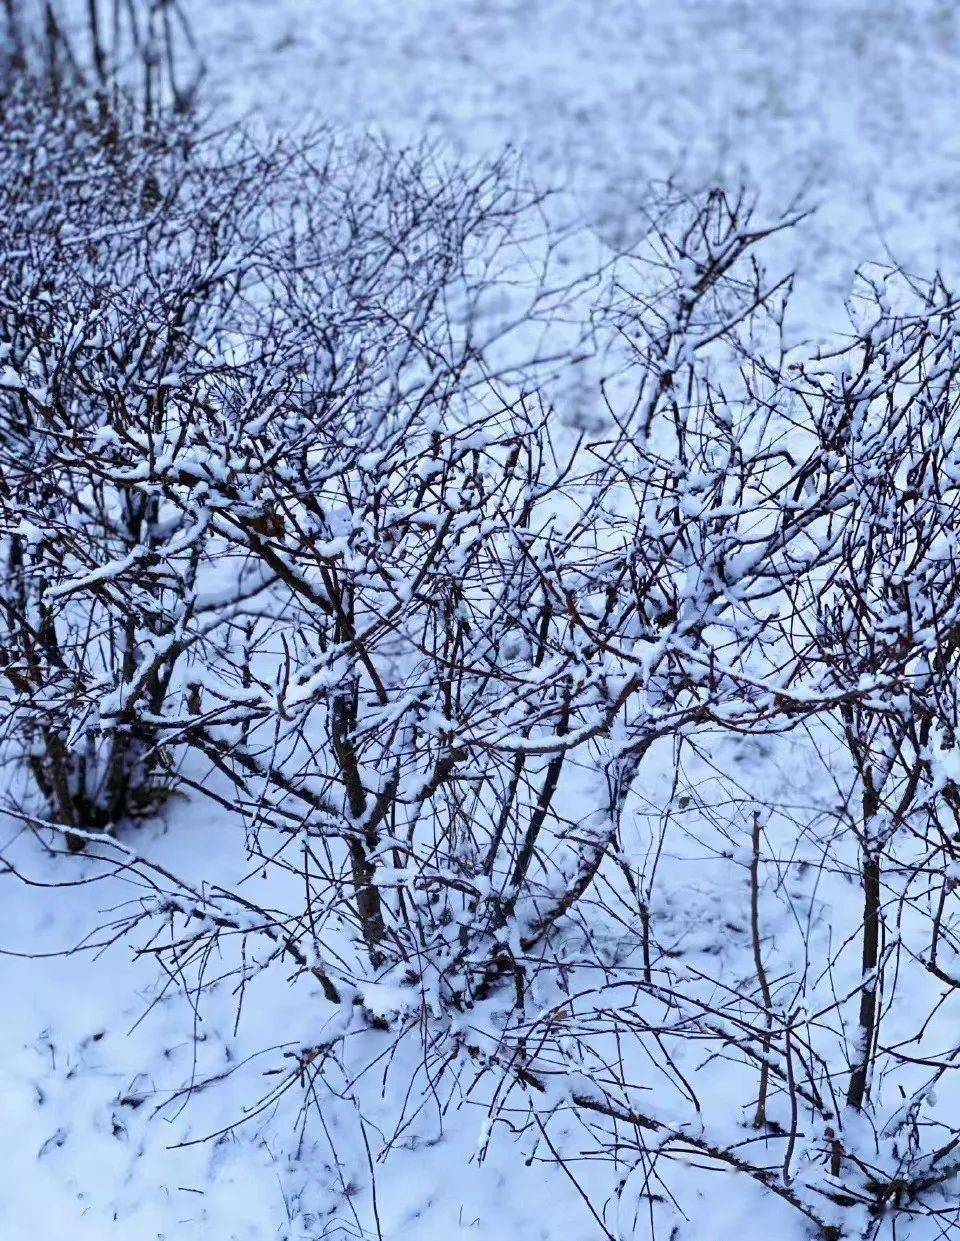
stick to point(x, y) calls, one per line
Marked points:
point(290, 518)
point(107, 286)
point(184, 322)
point(488, 636)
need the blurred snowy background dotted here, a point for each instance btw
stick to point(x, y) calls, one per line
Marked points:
point(849, 105)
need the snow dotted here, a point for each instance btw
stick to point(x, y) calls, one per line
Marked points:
point(848, 104)
point(110, 1077)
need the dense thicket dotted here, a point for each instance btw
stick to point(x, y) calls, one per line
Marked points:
point(290, 522)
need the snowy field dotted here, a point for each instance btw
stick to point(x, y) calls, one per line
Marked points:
point(846, 107)
point(849, 106)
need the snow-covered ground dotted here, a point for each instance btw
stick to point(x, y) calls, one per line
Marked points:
point(121, 1102)
point(853, 106)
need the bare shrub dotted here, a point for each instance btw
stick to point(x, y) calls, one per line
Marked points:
point(178, 318)
point(290, 519)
